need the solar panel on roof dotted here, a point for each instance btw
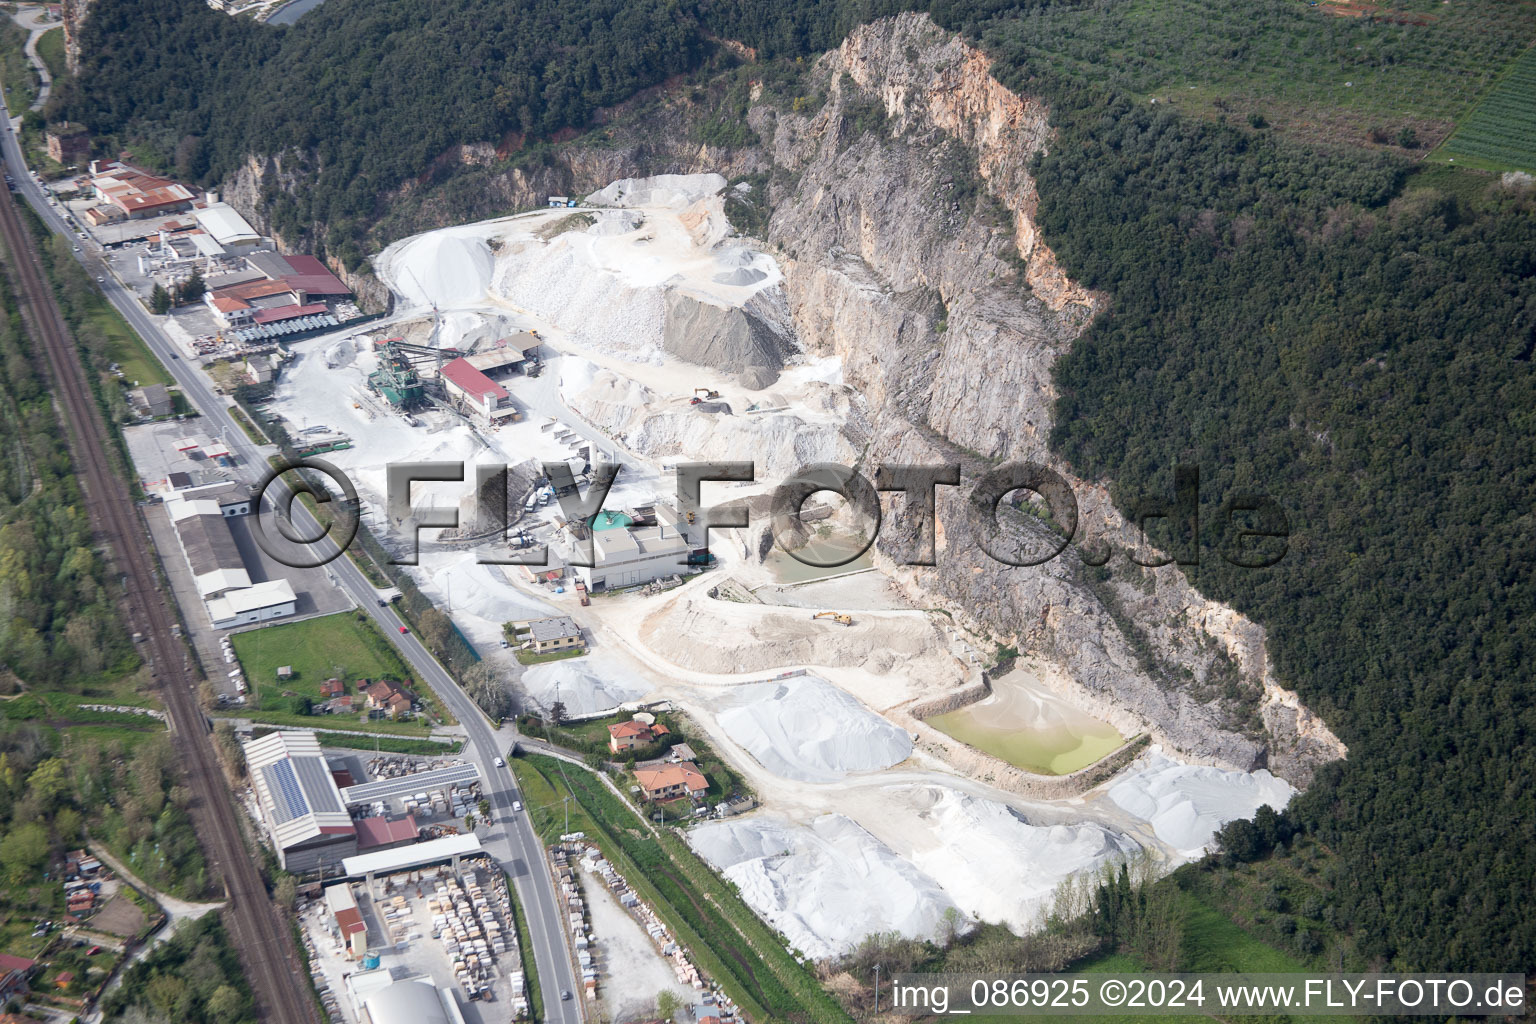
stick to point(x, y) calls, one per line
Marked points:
point(287, 795)
point(408, 784)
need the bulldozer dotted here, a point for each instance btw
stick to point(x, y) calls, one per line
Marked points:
point(838, 617)
point(709, 396)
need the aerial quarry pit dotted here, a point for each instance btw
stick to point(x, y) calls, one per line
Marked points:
point(901, 785)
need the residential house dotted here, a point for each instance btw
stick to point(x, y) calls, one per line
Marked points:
point(629, 735)
point(389, 697)
point(672, 780)
point(557, 633)
point(332, 688)
point(14, 974)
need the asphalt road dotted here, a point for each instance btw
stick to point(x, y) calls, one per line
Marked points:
point(512, 841)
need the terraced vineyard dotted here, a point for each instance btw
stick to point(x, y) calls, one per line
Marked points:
point(1500, 132)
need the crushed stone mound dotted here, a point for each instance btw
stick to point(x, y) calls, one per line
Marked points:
point(740, 276)
point(995, 864)
point(825, 886)
point(585, 685)
point(343, 353)
point(725, 339)
point(446, 270)
point(1187, 804)
point(677, 190)
point(807, 729)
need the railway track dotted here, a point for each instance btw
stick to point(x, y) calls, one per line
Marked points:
point(261, 936)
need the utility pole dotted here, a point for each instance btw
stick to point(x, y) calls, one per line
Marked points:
point(566, 800)
point(877, 988)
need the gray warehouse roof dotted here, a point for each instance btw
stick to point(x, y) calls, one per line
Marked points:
point(405, 785)
point(210, 546)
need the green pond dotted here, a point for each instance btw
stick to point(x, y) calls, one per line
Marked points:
point(1035, 731)
point(789, 569)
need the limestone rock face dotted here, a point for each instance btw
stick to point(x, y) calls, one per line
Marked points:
point(910, 252)
point(74, 13)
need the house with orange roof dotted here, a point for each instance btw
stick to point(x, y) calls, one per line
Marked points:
point(671, 780)
point(629, 735)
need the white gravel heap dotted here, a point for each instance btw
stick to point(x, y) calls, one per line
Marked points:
point(585, 685)
point(994, 864)
point(826, 886)
point(1187, 804)
point(676, 190)
point(807, 729)
point(449, 268)
point(563, 284)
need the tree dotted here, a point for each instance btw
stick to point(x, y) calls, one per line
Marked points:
point(666, 1004)
point(487, 691)
point(557, 712)
point(435, 629)
point(160, 301)
point(192, 288)
point(226, 1003)
point(24, 848)
point(48, 782)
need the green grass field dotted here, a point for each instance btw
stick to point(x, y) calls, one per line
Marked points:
point(16, 74)
point(317, 649)
point(50, 47)
point(67, 725)
point(1499, 134)
point(340, 646)
point(529, 658)
point(415, 729)
point(127, 349)
point(1212, 943)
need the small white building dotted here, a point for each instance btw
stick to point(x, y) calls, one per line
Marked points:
point(630, 554)
point(230, 230)
point(482, 397)
point(260, 602)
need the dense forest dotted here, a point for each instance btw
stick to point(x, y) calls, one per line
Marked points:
point(1368, 364)
point(57, 619)
point(1320, 322)
point(197, 90)
point(194, 978)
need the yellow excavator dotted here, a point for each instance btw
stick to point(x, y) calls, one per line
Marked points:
point(838, 617)
point(709, 396)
